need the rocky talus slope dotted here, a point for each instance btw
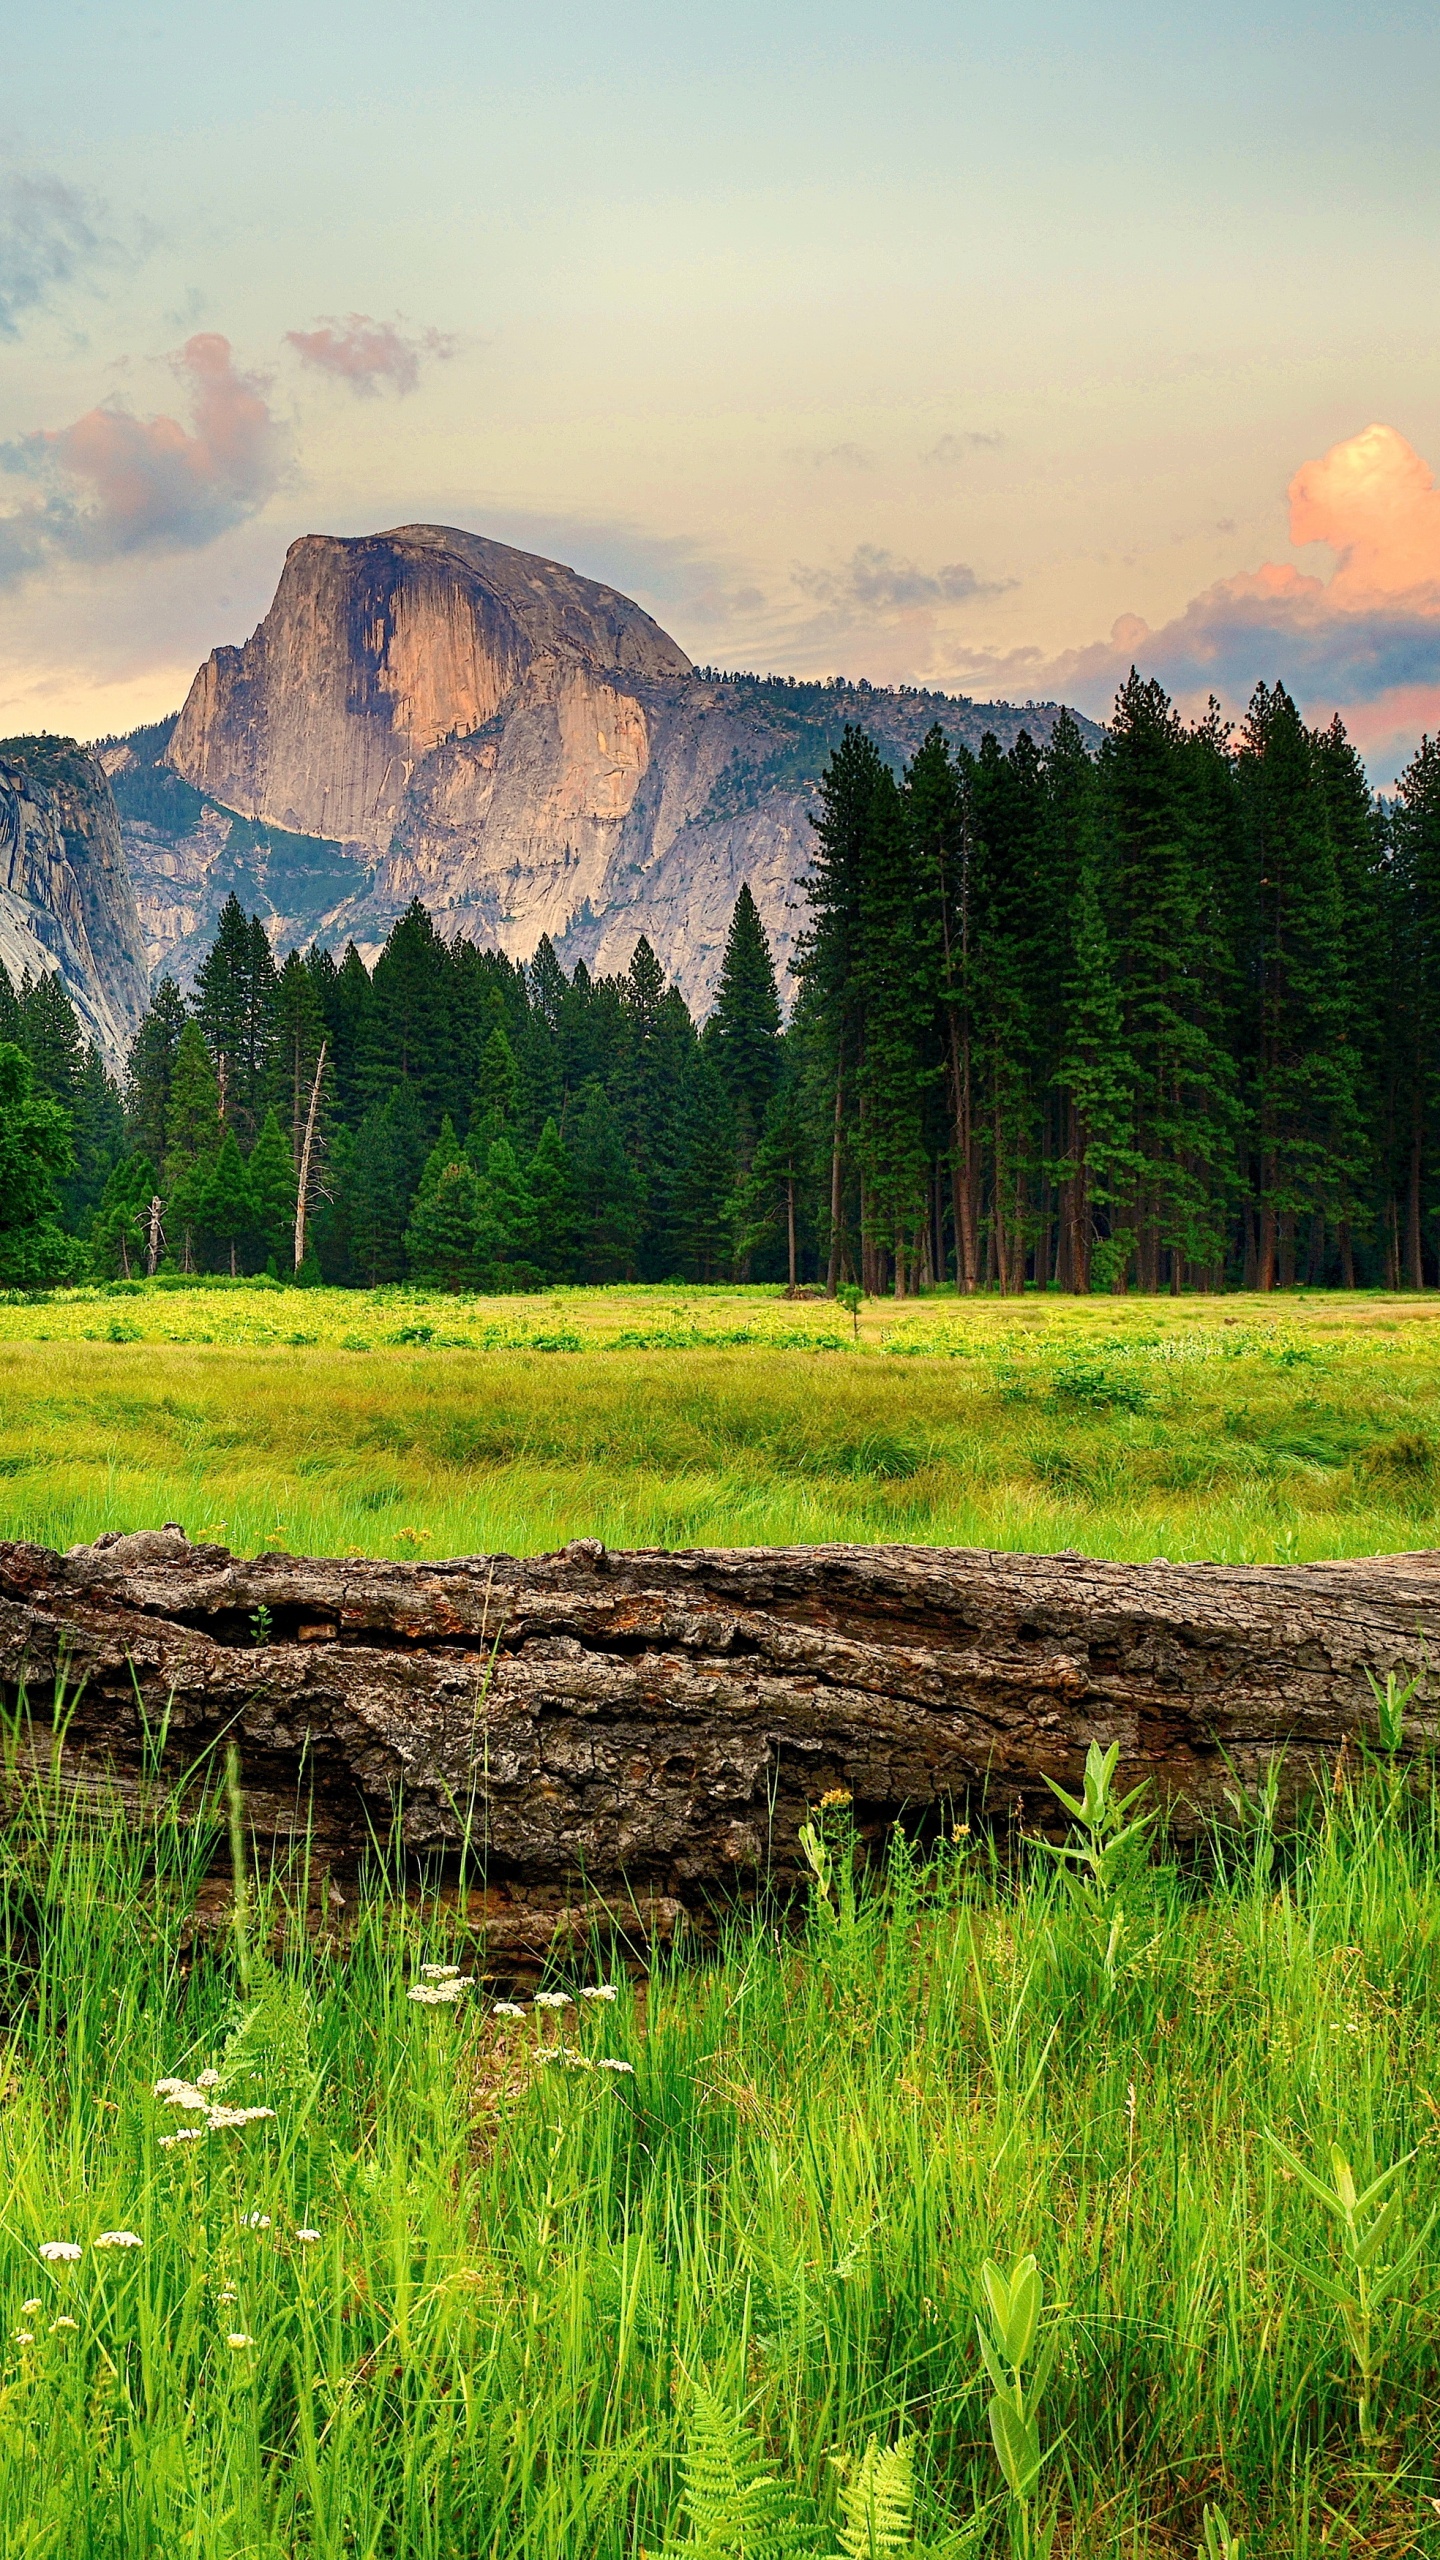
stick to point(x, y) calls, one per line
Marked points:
point(425, 713)
point(66, 899)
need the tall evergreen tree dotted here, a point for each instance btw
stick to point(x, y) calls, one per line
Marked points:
point(35, 1158)
point(151, 1070)
point(742, 1035)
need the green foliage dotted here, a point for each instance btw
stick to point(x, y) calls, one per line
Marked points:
point(36, 1154)
point(737, 2506)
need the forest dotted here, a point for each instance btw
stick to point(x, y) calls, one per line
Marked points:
point(1160, 1017)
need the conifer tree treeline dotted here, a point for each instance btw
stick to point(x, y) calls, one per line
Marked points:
point(1167, 1016)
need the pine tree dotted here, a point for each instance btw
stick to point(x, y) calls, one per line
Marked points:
point(225, 1204)
point(192, 1138)
point(35, 1158)
point(770, 1198)
point(119, 1230)
point(609, 1201)
point(407, 1032)
point(550, 1180)
point(295, 1025)
point(50, 1037)
point(151, 1069)
point(270, 1174)
point(829, 952)
point(234, 988)
point(699, 1234)
point(98, 1135)
point(441, 1239)
point(1306, 1114)
point(507, 1224)
point(1412, 1042)
point(742, 1035)
point(371, 1197)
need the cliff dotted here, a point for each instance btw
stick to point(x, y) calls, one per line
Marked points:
point(424, 713)
point(66, 899)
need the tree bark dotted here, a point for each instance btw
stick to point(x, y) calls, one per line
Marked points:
point(649, 1729)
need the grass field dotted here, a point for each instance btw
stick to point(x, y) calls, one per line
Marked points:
point(460, 2289)
point(397, 1423)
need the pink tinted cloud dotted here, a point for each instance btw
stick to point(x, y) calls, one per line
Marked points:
point(1364, 641)
point(113, 483)
point(368, 353)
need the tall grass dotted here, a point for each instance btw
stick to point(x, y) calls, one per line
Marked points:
point(530, 2271)
point(1120, 1428)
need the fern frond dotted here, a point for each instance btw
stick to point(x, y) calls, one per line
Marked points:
point(877, 2500)
point(737, 2509)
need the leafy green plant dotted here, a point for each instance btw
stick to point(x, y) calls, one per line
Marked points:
point(1008, 2327)
point(1220, 2542)
point(1367, 2283)
point(737, 2506)
point(1098, 1863)
point(878, 2507)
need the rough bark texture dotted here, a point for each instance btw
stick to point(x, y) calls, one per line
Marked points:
point(649, 1729)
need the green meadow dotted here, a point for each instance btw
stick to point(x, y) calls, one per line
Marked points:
point(403, 1423)
point(695, 2268)
point(394, 2266)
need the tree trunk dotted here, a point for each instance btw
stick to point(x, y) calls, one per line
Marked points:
point(837, 1188)
point(657, 1724)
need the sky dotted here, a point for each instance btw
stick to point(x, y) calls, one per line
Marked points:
point(935, 343)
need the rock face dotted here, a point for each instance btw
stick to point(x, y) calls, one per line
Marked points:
point(650, 1729)
point(424, 713)
point(66, 900)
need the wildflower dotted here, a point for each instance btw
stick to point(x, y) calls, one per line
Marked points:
point(33, 2304)
point(118, 2240)
point(60, 2249)
point(207, 2080)
point(507, 2009)
point(221, 2119)
point(600, 1991)
point(553, 2000)
point(835, 1796)
point(307, 2234)
point(192, 2133)
point(607, 2063)
point(238, 2338)
point(167, 2088)
point(257, 2221)
point(64, 2322)
point(24, 2337)
point(439, 1972)
point(229, 2295)
point(180, 2094)
point(441, 1995)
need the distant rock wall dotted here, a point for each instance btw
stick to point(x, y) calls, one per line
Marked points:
point(438, 716)
point(66, 900)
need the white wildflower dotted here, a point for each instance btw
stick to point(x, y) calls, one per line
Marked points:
point(192, 2133)
point(553, 2000)
point(439, 1972)
point(33, 2304)
point(229, 2295)
point(24, 2337)
point(608, 2063)
point(119, 2240)
point(61, 2249)
point(307, 2234)
point(221, 2119)
point(600, 1991)
point(207, 2080)
point(441, 1995)
point(254, 2115)
point(64, 2322)
point(507, 2009)
point(238, 2338)
point(182, 2095)
point(256, 2221)
point(167, 2088)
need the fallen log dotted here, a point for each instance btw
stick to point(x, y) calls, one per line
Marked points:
point(650, 1728)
